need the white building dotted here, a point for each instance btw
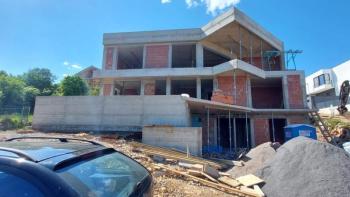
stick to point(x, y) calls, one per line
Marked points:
point(323, 86)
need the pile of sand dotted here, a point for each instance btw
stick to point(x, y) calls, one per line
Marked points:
point(254, 160)
point(306, 167)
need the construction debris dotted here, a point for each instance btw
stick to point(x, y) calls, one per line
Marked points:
point(173, 154)
point(307, 168)
point(211, 171)
point(258, 190)
point(229, 181)
point(220, 186)
point(249, 180)
point(254, 159)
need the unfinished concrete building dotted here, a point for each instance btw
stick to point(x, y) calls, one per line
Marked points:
point(231, 74)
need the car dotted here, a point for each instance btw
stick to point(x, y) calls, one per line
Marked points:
point(50, 166)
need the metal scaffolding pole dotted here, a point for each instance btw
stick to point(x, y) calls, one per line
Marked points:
point(235, 134)
point(208, 127)
point(273, 129)
point(230, 130)
point(219, 132)
point(246, 128)
point(234, 87)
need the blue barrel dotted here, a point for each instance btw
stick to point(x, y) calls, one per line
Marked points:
point(295, 130)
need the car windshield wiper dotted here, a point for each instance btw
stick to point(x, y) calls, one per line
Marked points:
point(139, 187)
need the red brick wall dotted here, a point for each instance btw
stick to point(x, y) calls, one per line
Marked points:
point(295, 94)
point(109, 58)
point(107, 88)
point(298, 120)
point(267, 97)
point(261, 130)
point(157, 56)
point(225, 94)
point(150, 88)
point(257, 62)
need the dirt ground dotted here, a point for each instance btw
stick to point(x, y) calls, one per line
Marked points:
point(165, 184)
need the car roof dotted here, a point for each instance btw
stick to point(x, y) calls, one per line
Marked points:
point(47, 151)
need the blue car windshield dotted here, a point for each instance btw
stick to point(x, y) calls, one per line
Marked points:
point(109, 175)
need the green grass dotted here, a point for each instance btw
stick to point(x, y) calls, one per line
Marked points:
point(333, 123)
point(13, 121)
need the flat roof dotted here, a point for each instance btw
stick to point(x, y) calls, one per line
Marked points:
point(200, 106)
point(194, 34)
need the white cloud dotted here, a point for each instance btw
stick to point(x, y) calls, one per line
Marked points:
point(165, 1)
point(213, 6)
point(65, 75)
point(192, 3)
point(76, 66)
point(71, 66)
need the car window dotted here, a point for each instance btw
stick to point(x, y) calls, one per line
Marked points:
point(14, 186)
point(109, 175)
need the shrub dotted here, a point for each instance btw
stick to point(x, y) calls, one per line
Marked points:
point(11, 122)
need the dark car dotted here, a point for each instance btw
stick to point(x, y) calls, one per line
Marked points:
point(40, 166)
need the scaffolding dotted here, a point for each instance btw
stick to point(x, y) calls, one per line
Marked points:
point(290, 55)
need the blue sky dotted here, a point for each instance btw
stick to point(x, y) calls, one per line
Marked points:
point(66, 36)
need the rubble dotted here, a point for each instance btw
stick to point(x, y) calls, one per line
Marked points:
point(165, 183)
point(254, 159)
point(307, 168)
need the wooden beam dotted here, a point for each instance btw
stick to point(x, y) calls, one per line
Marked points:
point(218, 186)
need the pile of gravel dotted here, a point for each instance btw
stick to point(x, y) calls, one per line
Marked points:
point(306, 167)
point(255, 159)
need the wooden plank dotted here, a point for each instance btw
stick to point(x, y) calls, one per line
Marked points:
point(218, 186)
point(258, 190)
point(224, 174)
point(181, 158)
point(229, 181)
point(209, 177)
point(229, 162)
point(195, 173)
point(172, 154)
point(247, 189)
point(249, 180)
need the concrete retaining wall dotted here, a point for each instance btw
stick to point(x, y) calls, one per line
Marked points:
point(174, 137)
point(108, 113)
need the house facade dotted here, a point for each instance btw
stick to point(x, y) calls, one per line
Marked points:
point(323, 86)
point(227, 78)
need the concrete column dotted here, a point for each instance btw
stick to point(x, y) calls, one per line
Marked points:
point(104, 58)
point(285, 92)
point(215, 83)
point(199, 88)
point(199, 55)
point(115, 58)
point(170, 55)
point(303, 88)
point(249, 92)
point(142, 88)
point(252, 134)
point(144, 55)
point(168, 86)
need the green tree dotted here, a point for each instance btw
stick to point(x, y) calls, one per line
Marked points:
point(73, 86)
point(29, 96)
point(12, 90)
point(40, 78)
